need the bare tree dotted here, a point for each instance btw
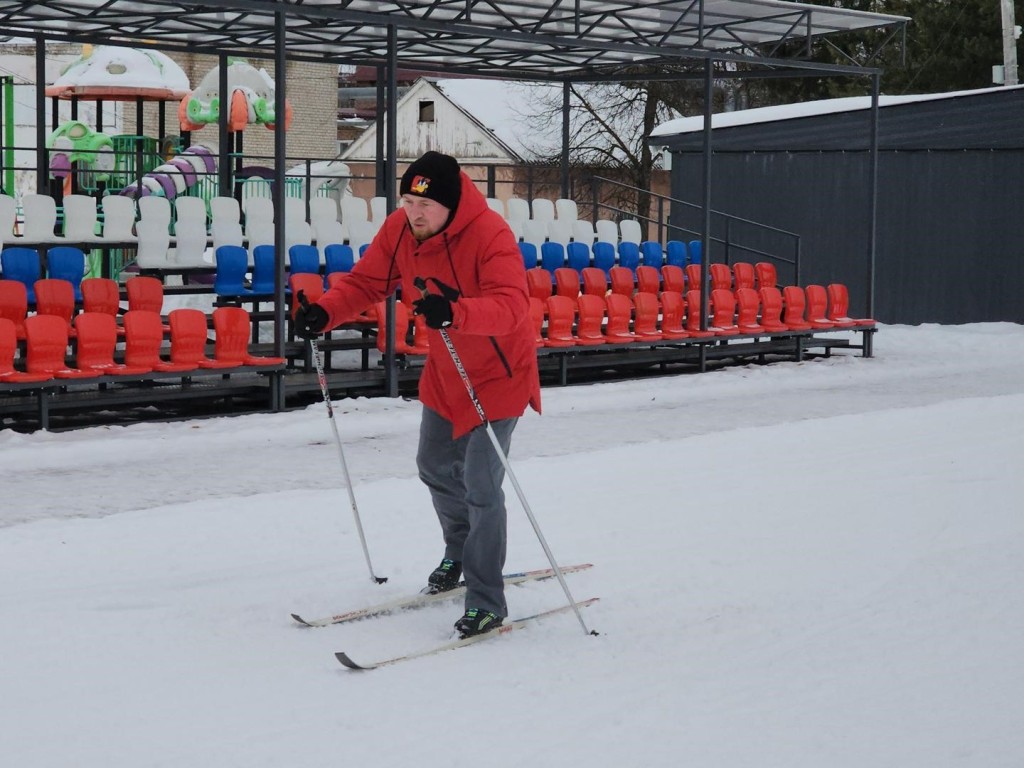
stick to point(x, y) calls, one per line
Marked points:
point(609, 125)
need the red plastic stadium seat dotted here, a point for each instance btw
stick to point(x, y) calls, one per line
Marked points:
point(620, 312)
point(766, 275)
point(693, 317)
point(673, 279)
point(402, 343)
point(693, 277)
point(723, 313)
point(648, 280)
point(743, 275)
point(46, 343)
point(771, 310)
point(537, 309)
point(145, 293)
point(312, 287)
point(646, 311)
point(595, 282)
point(97, 338)
point(622, 281)
point(56, 297)
point(839, 306)
point(748, 303)
point(721, 277)
point(591, 319)
point(794, 305)
point(672, 309)
point(561, 314)
point(231, 329)
point(144, 335)
point(189, 337)
point(817, 304)
point(8, 346)
point(567, 282)
point(101, 294)
point(539, 282)
point(14, 304)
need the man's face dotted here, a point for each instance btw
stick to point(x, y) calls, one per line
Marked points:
point(426, 217)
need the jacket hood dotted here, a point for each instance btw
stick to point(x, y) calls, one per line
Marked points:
point(471, 204)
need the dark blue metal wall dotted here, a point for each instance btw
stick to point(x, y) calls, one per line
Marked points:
point(950, 245)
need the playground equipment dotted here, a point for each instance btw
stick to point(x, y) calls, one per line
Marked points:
point(177, 175)
point(75, 142)
point(122, 74)
point(251, 100)
point(114, 73)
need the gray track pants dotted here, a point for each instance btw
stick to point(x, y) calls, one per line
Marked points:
point(464, 477)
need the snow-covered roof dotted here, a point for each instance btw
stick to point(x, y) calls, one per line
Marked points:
point(804, 109)
point(502, 106)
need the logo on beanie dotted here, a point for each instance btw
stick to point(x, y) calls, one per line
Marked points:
point(420, 185)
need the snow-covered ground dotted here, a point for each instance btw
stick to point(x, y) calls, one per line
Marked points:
point(814, 564)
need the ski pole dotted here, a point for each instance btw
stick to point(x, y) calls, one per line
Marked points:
point(450, 294)
point(337, 441)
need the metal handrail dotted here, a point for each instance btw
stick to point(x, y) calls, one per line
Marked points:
point(664, 228)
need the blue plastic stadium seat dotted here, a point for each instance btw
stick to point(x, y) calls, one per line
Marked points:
point(676, 253)
point(552, 256)
point(651, 254)
point(338, 258)
point(22, 264)
point(604, 256)
point(263, 269)
point(696, 251)
point(304, 258)
point(629, 255)
point(529, 251)
point(578, 256)
point(66, 262)
point(232, 264)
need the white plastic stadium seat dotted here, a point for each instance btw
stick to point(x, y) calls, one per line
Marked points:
point(566, 209)
point(630, 229)
point(518, 209)
point(607, 231)
point(40, 213)
point(118, 218)
point(583, 232)
point(154, 242)
point(224, 208)
point(155, 209)
point(496, 205)
point(80, 218)
point(542, 209)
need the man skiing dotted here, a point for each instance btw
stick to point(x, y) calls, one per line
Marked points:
point(445, 237)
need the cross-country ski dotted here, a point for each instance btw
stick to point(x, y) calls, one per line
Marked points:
point(420, 599)
point(504, 629)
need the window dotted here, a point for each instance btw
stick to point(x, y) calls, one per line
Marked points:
point(426, 111)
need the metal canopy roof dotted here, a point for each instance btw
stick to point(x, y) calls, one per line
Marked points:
point(528, 39)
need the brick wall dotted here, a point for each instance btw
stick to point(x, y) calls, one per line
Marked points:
point(312, 92)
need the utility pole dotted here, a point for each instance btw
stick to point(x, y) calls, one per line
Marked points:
point(1010, 34)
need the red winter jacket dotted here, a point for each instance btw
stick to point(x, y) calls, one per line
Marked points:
point(477, 255)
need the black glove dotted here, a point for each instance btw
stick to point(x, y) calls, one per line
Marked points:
point(310, 321)
point(436, 309)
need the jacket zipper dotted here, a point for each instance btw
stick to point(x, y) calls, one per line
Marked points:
point(501, 356)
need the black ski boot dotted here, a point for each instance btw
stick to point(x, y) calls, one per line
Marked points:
point(444, 577)
point(476, 622)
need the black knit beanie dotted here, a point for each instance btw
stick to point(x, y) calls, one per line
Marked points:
point(434, 176)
